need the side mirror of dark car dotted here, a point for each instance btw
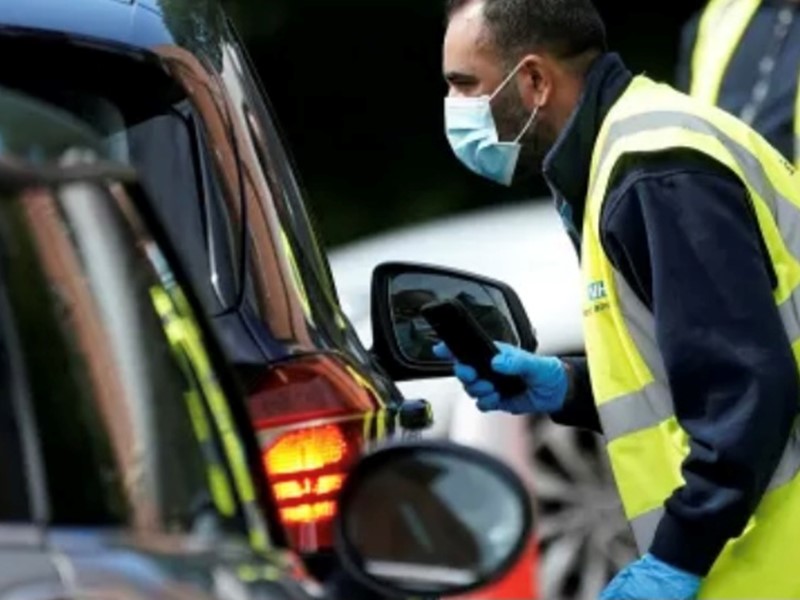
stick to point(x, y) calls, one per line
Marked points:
point(431, 519)
point(403, 340)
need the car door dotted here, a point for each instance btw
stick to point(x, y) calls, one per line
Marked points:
point(149, 492)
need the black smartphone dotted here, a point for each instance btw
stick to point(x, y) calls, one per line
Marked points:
point(470, 344)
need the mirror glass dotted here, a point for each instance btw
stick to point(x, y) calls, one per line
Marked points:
point(432, 523)
point(409, 292)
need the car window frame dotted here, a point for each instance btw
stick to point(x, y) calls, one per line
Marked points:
point(214, 202)
point(22, 405)
point(85, 339)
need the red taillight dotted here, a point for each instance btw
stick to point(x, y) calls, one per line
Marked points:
point(306, 469)
point(306, 463)
point(306, 450)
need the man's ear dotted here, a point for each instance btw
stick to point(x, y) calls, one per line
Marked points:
point(535, 81)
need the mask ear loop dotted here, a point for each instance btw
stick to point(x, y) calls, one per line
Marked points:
point(502, 85)
point(505, 81)
point(528, 124)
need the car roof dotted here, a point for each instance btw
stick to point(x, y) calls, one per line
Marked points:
point(138, 24)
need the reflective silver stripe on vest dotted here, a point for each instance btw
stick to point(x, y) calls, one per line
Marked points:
point(644, 528)
point(790, 315)
point(789, 464)
point(796, 148)
point(652, 404)
point(634, 412)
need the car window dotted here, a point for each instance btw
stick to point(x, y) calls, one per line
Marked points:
point(73, 436)
point(171, 155)
point(125, 427)
point(276, 300)
point(169, 135)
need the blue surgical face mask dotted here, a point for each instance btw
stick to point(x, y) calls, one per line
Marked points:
point(473, 136)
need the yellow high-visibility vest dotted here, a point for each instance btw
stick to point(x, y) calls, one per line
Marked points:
point(720, 31)
point(646, 443)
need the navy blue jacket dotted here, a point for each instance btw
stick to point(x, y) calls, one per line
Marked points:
point(775, 120)
point(681, 230)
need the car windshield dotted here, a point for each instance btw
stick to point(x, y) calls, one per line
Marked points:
point(122, 389)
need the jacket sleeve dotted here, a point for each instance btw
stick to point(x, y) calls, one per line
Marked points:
point(688, 39)
point(687, 242)
point(579, 409)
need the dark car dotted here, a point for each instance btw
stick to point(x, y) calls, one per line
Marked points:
point(130, 468)
point(170, 90)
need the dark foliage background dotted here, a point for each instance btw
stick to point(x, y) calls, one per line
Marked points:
point(358, 91)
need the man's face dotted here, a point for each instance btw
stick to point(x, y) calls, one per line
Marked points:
point(474, 66)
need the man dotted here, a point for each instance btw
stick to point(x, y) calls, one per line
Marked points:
point(744, 56)
point(688, 227)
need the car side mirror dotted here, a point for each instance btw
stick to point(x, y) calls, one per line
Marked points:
point(431, 518)
point(403, 340)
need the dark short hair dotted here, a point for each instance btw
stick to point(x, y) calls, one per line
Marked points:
point(564, 28)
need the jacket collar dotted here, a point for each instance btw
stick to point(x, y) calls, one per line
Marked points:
point(566, 167)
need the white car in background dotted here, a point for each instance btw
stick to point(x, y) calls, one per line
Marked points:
point(583, 536)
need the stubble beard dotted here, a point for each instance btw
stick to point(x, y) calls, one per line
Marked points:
point(510, 117)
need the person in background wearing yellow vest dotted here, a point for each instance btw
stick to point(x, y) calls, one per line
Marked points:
point(687, 224)
point(744, 56)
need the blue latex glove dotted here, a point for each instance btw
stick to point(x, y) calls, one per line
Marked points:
point(650, 578)
point(546, 377)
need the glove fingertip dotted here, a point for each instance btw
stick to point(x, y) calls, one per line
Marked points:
point(504, 364)
point(465, 374)
point(442, 351)
point(489, 403)
point(480, 388)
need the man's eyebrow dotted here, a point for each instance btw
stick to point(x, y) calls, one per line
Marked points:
point(457, 77)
